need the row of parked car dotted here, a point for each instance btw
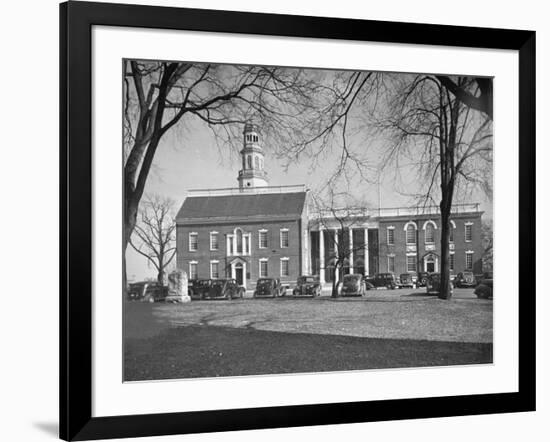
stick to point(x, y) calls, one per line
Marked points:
point(351, 285)
point(357, 285)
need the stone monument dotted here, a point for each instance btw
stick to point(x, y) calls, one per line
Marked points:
point(177, 287)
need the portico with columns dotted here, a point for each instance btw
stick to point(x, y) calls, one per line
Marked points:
point(329, 241)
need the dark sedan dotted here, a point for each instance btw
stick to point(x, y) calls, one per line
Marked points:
point(433, 284)
point(384, 280)
point(307, 286)
point(198, 288)
point(147, 291)
point(269, 288)
point(224, 289)
point(406, 280)
point(352, 285)
point(464, 279)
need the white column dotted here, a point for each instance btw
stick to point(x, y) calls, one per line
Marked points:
point(336, 276)
point(321, 255)
point(351, 250)
point(366, 244)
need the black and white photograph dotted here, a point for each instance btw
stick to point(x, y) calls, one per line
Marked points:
point(284, 220)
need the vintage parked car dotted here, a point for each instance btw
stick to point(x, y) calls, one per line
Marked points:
point(147, 291)
point(198, 288)
point(406, 280)
point(464, 279)
point(224, 289)
point(384, 280)
point(422, 279)
point(484, 289)
point(269, 288)
point(434, 283)
point(352, 285)
point(307, 286)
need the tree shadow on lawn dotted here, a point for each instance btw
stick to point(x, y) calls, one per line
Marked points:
point(209, 351)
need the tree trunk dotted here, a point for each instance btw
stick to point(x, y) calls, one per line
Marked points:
point(445, 285)
point(160, 277)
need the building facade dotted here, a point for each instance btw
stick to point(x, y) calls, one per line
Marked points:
point(399, 240)
point(257, 230)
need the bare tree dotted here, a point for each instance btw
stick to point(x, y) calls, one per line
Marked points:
point(450, 142)
point(487, 242)
point(154, 233)
point(338, 215)
point(422, 122)
point(160, 95)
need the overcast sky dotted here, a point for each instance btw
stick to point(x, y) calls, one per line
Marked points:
point(189, 158)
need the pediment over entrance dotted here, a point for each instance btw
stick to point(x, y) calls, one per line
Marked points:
point(237, 260)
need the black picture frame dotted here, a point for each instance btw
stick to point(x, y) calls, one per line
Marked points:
point(76, 21)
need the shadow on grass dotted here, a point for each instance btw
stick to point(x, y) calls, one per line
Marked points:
point(209, 351)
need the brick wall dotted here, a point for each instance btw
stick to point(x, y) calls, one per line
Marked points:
point(273, 252)
point(461, 246)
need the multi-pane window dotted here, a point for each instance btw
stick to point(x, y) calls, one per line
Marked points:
point(451, 261)
point(262, 239)
point(284, 238)
point(411, 234)
point(284, 267)
point(411, 263)
point(468, 232)
point(429, 234)
point(263, 268)
point(451, 233)
point(391, 264)
point(391, 236)
point(469, 261)
point(214, 243)
point(193, 270)
point(193, 242)
point(214, 269)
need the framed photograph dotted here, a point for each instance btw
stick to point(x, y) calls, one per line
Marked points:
point(272, 221)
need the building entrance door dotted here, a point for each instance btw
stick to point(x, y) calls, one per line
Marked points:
point(430, 263)
point(239, 274)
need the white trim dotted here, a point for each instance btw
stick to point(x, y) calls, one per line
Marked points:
point(196, 263)
point(466, 226)
point(266, 260)
point(411, 254)
point(388, 230)
point(214, 261)
point(216, 234)
point(410, 223)
point(424, 227)
point(281, 238)
point(259, 238)
point(468, 253)
point(453, 224)
point(432, 222)
point(189, 241)
point(281, 260)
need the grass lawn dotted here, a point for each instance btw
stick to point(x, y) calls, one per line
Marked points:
point(251, 337)
point(210, 351)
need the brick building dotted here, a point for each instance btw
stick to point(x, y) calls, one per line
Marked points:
point(257, 230)
point(399, 240)
point(247, 232)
